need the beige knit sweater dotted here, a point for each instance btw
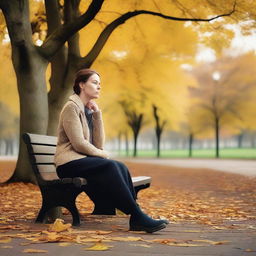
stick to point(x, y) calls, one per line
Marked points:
point(73, 133)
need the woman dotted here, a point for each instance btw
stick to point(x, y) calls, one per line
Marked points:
point(80, 153)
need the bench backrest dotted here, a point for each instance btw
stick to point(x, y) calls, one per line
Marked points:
point(41, 149)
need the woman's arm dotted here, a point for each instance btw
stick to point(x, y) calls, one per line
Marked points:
point(74, 131)
point(98, 135)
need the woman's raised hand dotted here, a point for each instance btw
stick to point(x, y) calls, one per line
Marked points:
point(92, 105)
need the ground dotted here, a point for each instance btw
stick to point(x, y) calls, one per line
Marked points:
point(210, 213)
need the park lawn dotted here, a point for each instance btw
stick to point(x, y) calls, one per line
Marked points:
point(244, 153)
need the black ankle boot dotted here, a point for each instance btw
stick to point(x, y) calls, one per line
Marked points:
point(142, 222)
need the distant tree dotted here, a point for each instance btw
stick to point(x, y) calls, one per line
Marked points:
point(134, 121)
point(225, 89)
point(159, 127)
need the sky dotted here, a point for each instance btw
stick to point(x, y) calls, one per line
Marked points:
point(240, 44)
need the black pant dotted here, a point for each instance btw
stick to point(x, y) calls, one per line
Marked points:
point(109, 182)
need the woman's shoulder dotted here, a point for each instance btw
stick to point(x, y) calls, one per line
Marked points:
point(70, 107)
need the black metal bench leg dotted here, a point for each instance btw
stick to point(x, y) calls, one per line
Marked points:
point(75, 215)
point(140, 187)
point(42, 215)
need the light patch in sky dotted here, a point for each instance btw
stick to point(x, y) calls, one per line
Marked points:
point(241, 43)
point(205, 54)
point(186, 67)
point(216, 75)
point(119, 54)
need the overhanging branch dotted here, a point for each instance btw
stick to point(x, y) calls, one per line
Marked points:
point(94, 52)
point(61, 35)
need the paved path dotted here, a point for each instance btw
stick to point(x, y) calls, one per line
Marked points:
point(244, 167)
point(238, 241)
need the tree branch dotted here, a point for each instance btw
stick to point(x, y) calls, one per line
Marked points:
point(71, 12)
point(105, 34)
point(61, 35)
point(53, 15)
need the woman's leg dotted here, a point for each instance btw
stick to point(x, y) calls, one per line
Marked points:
point(108, 180)
point(127, 176)
point(103, 204)
point(107, 176)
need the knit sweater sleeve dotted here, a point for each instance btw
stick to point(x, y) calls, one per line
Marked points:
point(74, 131)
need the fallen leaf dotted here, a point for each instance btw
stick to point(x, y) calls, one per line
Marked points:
point(186, 244)
point(249, 250)
point(98, 247)
point(25, 243)
point(34, 251)
point(141, 245)
point(6, 246)
point(163, 241)
point(192, 231)
point(5, 240)
point(210, 241)
point(100, 232)
point(129, 238)
point(59, 226)
point(64, 244)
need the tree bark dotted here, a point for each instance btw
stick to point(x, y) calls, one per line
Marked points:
point(30, 70)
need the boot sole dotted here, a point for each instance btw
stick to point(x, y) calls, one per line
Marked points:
point(147, 229)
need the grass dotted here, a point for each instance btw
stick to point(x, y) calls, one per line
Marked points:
point(240, 153)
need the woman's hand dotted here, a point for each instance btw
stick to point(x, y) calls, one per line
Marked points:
point(105, 154)
point(92, 105)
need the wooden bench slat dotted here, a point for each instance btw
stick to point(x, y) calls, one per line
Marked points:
point(46, 168)
point(49, 176)
point(41, 149)
point(42, 139)
point(49, 159)
point(140, 180)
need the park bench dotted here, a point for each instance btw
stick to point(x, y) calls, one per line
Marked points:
point(58, 192)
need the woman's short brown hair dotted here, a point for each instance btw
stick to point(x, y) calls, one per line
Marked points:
point(82, 76)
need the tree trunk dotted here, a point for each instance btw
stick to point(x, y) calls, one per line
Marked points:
point(191, 138)
point(33, 116)
point(217, 128)
point(30, 70)
point(240, 140)
point(126, 144)
point(135, 137)
point(158, 137)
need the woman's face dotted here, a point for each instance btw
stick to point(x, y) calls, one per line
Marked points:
point(91, 88)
